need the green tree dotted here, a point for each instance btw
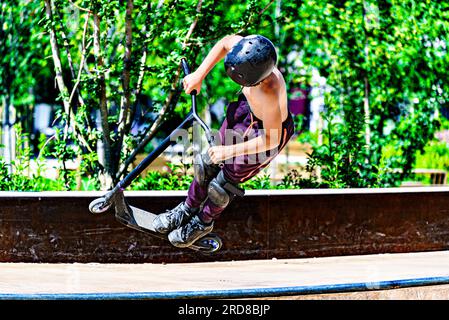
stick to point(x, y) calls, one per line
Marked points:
point(22, 63)
point(115, 62)
point(122, 51)
point(384, 62)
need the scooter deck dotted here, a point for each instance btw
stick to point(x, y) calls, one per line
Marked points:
point(142, 221)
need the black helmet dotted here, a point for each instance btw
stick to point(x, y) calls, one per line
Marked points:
point(251, 60)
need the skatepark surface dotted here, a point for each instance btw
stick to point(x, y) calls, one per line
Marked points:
point(404, 275)
point(57, 227)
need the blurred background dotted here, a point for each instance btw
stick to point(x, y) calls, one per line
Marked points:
point(88, 88)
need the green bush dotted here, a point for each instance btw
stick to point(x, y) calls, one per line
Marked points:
point(175, 179)
point(21, 181)
point(435, 156)
point(261, 181)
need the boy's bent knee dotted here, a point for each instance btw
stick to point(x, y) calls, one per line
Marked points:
point(218, 195)
point(221, 191)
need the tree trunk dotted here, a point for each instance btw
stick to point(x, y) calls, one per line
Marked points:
point(172, 96)
point(367, 23)
point(125, 104)
point(107, 161)
point(8, 134)
point(56, 58)
point(367, 114)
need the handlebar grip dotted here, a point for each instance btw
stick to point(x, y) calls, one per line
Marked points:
point(186, 69)
point(185, 66)
point(210, 139)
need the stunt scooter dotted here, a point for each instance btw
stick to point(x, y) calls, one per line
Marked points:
point(142, 220)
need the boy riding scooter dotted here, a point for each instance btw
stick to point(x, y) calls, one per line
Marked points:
point(260, 118)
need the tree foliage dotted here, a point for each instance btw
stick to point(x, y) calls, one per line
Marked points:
point(384, 62)
point(124, 63)
point(113, 68)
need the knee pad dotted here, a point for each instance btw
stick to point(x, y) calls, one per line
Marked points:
point(219, 196)
point(204, 169)
point(221, 192)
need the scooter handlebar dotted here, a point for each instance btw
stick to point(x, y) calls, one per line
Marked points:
point(185, 66)
point(186, 69)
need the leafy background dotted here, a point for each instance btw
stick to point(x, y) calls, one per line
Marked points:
point(384, 63)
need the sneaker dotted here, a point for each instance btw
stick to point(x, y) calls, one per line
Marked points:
point(186, 235)
point(173, 219)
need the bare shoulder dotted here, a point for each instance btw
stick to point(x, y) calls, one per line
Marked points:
point(231, 40)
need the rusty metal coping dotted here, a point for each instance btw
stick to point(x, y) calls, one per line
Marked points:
point(287, 192)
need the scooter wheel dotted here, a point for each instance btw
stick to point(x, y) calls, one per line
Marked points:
point(99, 206)
point(209, 244)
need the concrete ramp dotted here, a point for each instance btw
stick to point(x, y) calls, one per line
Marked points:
point(325, 277)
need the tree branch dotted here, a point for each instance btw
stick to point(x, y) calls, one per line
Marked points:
point(80, 69)
point(70, 61)
point(247, 23)
point(60, 80)
point(102, 95)
point(143, 59)
point(258, 14)
point(58, 70)
point(77, 6)
point(167, 103)
point(124, 118)
point(56, 57)
point(78, 80)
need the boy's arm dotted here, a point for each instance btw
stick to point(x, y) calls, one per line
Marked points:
point(272, 123)
point(219, 50)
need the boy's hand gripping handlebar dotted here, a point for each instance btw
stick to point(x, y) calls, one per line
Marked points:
point(209, 136)
point(203, 166)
